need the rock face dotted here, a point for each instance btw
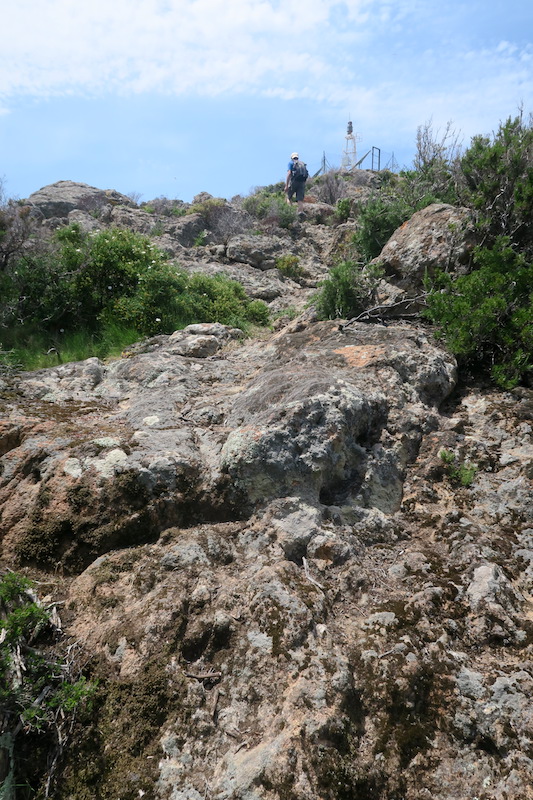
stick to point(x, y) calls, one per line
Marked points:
point(438, 237)
point(299, 567)
point(58, 199)
point(163, 435)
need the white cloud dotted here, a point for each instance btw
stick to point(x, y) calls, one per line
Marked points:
point(182, 45)
point(391, 59)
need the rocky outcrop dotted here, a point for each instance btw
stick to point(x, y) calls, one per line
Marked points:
point(177, 447)
point(59, 199)
point(299, 566)
point(257, 251)
point(440, 237)
point(274, 568)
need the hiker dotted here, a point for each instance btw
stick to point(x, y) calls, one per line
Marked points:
point(297, 175)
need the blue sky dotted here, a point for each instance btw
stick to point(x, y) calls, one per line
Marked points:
point(174, 97)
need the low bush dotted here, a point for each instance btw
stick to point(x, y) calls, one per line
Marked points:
point(496, 181)
point(459, 473)
point(329, 187)
point(486, 317)
point(165, 207)
point(271, 208)
point(289, 265)
point(349, 290)
point(218, 299)
point(378, 219)
point(90, 294)
point(343, 209)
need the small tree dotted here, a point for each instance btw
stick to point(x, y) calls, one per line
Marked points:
point(486, 317)
point(497, 182)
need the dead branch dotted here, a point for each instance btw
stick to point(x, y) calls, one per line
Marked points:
point(377, 311)
point(309, 576)
point(210, 675)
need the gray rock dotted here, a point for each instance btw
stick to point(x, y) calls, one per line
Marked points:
point(59, 199)
point(259, 252)
point(437, 237)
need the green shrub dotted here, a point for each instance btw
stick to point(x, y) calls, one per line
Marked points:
point(343, 209)
point(486, 317)
point(387, 210)
point(460, 474)
point(497, 182)
point(349, 290)
point(271, 208)
point(378, 219)
point(218, 299)
point(80, 277)
point(257, 312)
point(92, 294)
point(208, 209)
point(433, 180)
point(165, 207)
point(289, 265)
point(201, 239)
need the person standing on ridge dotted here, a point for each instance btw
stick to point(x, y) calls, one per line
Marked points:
point(297, 175)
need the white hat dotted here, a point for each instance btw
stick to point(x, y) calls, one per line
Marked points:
point(294, 155)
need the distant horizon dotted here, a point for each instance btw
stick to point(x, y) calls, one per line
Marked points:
point(176, 97)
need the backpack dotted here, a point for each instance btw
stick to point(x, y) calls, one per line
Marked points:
point(299, 172)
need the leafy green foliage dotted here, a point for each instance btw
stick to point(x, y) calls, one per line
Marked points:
point(348, 291)
point(289, 265)
point(486, 316)
point(378, 219)
point(460, 474)
point(90, 290)
point(497, 182)
point(433, 180)
point(71, 284)
point(201, 239)
point(208, 208)
point(271, 208)
point(218, 299)
point(399, 197)
point(343, 208)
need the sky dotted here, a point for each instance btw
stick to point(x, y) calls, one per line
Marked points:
point(170, 98)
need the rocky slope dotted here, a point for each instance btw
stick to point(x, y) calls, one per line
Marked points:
point(283, 587)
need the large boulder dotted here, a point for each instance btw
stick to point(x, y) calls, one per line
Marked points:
point(314, 425)
point(59, 199)
point(260, 252)
point(439, 237)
